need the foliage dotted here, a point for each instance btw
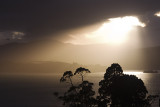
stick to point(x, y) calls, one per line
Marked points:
point(128, 90)
point(81, 95)
point(116, 90)
point(105, 85)
point(82, 72)
point(67, 76)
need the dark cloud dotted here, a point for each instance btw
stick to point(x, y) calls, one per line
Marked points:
point(40, 21)
point(150, 34)
point(11, 36)
point(38, 18)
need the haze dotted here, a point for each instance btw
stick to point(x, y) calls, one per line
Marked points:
point(83, 32)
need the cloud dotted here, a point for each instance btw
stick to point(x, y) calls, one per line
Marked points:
point(42, 18)
point(157, 14)
point(113, 31)
point(11, 37)
point(17, 35)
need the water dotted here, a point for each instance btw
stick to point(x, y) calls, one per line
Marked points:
point(28, 90)
point(36, 90)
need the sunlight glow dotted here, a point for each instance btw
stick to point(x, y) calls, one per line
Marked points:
point(157, 14)
point(133, 73)
point(114, 31)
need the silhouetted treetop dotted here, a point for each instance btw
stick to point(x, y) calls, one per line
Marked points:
point(128, 90)
point(115, 90)
point(67, 76)
point(82, 72)
point(67, 73)
point(114, 70)
point(120, 90)
point(80, 95)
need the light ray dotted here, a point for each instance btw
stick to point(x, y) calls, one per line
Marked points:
point(157, 14)
point(114, 31)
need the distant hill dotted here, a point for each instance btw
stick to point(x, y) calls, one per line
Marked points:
point(44, 67)
point(129, 59)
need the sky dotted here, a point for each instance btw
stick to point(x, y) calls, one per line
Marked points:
point(66, 30)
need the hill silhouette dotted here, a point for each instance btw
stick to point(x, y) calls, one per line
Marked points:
point(43, 67)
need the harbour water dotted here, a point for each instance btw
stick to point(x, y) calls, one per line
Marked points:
point(36, 90)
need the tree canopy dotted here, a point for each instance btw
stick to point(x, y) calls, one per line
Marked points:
point(115, 90)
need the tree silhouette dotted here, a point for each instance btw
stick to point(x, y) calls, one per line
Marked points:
point(80, 95)
point(81, 71)
point(120, 90)
point(129, 91)
point(116, 90)
point(85, 94)
point(105, 84)
point(67, 76)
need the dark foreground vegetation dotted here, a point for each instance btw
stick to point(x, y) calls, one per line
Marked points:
point(115, 90)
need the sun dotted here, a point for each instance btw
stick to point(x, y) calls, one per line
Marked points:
point(157, 14)
point(113, 31)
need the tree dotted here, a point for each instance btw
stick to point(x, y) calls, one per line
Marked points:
point(67, 76)
point(120, 90)
point(105, 84)
point(81, 71)
point(80, 95)
point(129, 91)
point(116, 90)
point(85, 94)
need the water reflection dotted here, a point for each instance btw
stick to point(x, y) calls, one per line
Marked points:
point(37, 89)
point(131, 72)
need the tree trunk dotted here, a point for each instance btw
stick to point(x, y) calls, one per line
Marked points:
point(71, 81)
point(82, 77)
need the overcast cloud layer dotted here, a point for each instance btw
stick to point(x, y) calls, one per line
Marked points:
point(39, 18)
point(28, 27)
